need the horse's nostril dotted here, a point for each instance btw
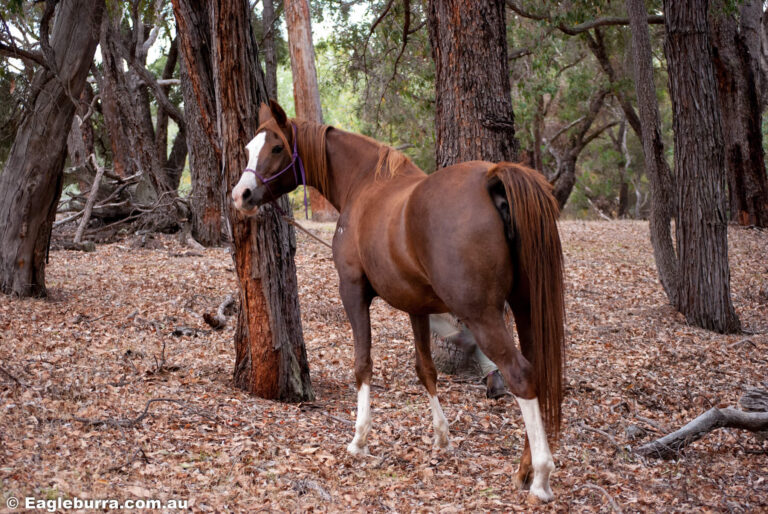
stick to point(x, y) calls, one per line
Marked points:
point(246, 194)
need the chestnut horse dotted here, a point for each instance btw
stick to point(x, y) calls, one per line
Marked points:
point(464, 240)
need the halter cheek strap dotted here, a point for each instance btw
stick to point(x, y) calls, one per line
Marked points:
point(295, 159)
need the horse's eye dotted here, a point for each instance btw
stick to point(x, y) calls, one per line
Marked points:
point(277, 149)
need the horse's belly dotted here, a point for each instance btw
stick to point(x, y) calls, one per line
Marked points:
point(413, 300)
point(406, 293)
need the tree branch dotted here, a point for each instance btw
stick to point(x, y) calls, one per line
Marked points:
point(564, 129)
point(581, 27)
point(151, 81)
point(598, 131)
point(25, 55)
point(45, 30)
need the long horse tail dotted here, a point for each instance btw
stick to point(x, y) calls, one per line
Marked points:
point(537, 249)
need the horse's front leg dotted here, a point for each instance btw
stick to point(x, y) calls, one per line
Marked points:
point(356, 295)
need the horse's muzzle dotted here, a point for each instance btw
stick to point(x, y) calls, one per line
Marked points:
point(248, 200)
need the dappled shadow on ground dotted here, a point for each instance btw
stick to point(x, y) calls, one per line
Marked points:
point(103, 345)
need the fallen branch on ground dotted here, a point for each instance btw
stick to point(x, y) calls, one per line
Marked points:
point(603, 433)
point(613, 503)
point(728, 417)
point(126, 423)
point(219, 320)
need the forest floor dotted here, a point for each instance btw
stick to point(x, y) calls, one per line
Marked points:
point(123, 326)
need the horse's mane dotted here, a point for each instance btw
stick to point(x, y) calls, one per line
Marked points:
point(391, 161)
point(311, 144)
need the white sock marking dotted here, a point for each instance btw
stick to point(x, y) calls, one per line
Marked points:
point(541, 458)
point(359, 444)
point(439, 423)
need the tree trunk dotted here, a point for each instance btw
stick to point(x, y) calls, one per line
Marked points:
point(268, 23)
point(702, 237)
point(660, 178)
point(133, 115)
point(473, 106)
point(538, 137)
point(621, 144)
point(161, 125)
point(736, 72)
point(111, 86)
point(30, 184)
point(566, 179)
point(197, 87)
point(764, 61)
point(80, 138)
point(306, 94)
point(174, 164)
point(270, 358)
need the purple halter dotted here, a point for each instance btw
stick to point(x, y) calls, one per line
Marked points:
point(295, 158)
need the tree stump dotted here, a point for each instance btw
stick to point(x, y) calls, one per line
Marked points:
point(453, 346)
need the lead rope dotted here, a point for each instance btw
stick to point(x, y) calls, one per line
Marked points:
point(295, 223)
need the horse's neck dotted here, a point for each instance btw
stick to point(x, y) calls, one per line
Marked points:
point(351, 164)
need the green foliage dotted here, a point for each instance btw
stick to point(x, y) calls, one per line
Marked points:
point(562, 73)
point(387, 87)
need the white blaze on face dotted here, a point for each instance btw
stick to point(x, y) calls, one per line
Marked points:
point(541, 458)
point(359, 445)
point(247, 179)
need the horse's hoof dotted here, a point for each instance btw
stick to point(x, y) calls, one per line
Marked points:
point(494, 385)
point(540, 494)
point(442, 444)
point(357, 451)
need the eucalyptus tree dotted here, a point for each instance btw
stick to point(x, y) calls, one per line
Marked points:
point(229, 87)
point(31, 180)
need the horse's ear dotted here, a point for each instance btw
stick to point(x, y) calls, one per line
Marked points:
point(264, 113)
point(278, 113)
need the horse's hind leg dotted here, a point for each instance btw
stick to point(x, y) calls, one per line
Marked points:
point(356, 297)
point(497, 343)
point(425, 369)
point(522, 312)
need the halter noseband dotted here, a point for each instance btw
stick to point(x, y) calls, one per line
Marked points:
point(294, 159)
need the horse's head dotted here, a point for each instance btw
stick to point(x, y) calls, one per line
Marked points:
point(272, 169)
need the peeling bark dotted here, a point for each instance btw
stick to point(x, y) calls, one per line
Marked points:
point(197, 87)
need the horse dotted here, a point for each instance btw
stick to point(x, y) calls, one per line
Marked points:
point(465, 240)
